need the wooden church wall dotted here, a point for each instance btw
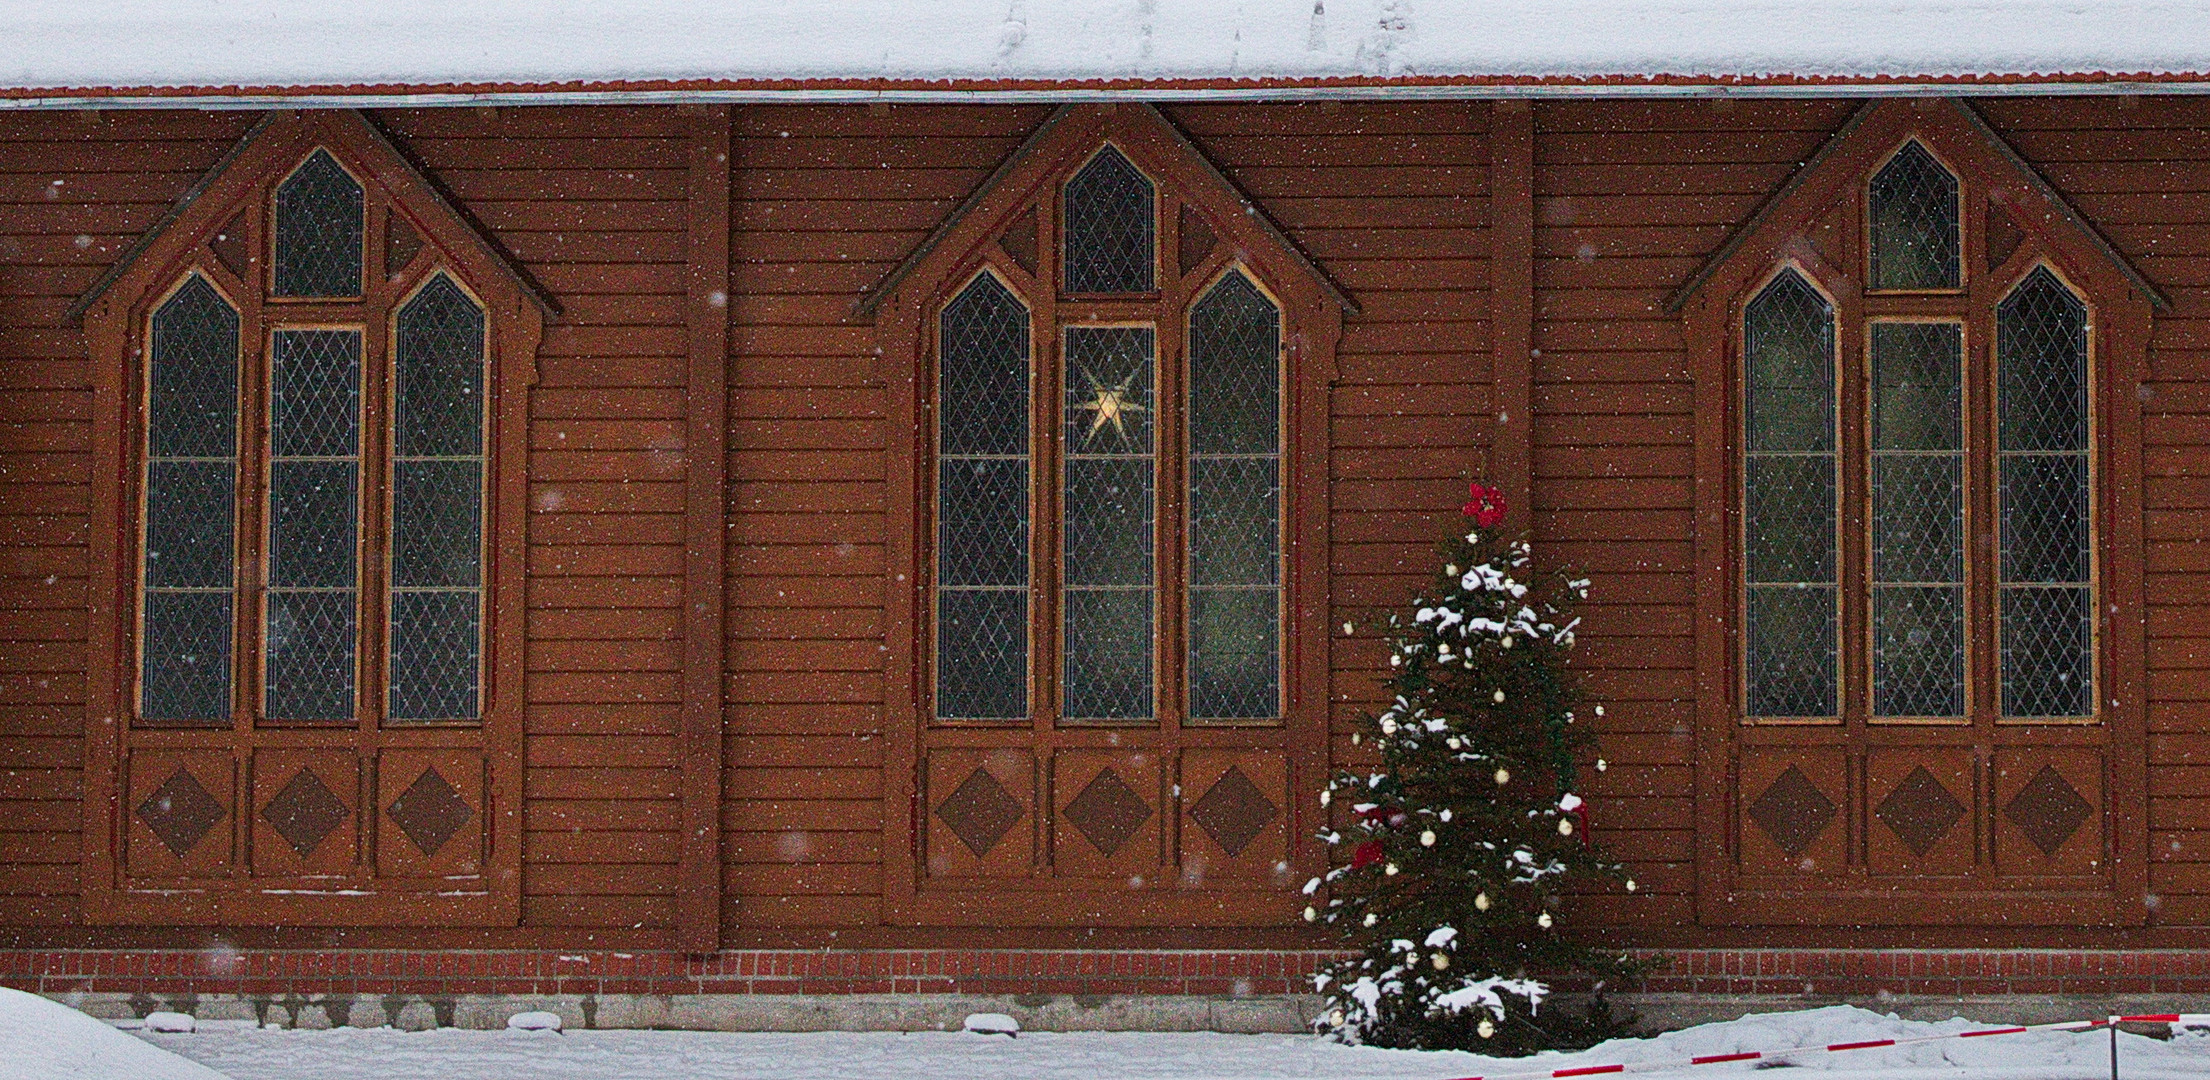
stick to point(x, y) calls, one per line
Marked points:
point(1393, 200)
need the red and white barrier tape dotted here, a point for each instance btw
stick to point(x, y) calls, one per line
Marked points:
point(1792, 1051)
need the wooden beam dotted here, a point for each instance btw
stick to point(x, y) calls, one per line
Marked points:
point(1512, 303)
point(698, 879)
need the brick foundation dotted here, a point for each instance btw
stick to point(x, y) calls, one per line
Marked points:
point(1795, 973)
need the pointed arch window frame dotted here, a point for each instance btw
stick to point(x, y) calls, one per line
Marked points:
point(1009, 227)
point(2014, 220)
point(222, 229)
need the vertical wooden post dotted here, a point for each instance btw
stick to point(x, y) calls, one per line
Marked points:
point(698, 878)
point(1512, 303)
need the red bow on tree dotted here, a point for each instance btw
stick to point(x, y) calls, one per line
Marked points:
point(1487, 507)
point(1367, 854)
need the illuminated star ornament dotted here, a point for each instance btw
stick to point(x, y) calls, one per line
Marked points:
point(1109, 404)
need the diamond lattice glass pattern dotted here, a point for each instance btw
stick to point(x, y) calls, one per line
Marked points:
point(1109, 536)
point(1918, 651)
point(435, 663)
point(2046, 497)
point(186, 674)
point(1111, 227)
point(310, 655)
point(1788, 334)
point(1788, 501)
point(190, 485)
point(2048, 639)
point(311, 631)
point(437, 506)
point(1791, 659)
point(1234, 502)
point(1914, 223)
point(192, 383)
point(982, 483)
point(441, 374)
point(319, 225)
point(2041, 357)
point(1917, 602)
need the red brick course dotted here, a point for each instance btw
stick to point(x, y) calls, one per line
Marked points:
point(1785, 972)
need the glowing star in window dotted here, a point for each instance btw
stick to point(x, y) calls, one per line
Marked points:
point(1109, 405)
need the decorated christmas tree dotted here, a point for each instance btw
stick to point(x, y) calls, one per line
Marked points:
point(1454, 851)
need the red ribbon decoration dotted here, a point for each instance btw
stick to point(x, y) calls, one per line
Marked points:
point(1367, 854)
point(1487, 506)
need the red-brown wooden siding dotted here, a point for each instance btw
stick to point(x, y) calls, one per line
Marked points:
point(1392, 200)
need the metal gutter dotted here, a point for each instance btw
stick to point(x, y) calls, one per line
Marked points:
point(320, 99)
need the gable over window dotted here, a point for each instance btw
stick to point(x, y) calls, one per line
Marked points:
point(1112, 650)
point(318, 378)
point(1919, 464)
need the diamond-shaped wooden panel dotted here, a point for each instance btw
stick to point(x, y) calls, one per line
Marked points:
point(181, 813)
point(1790, 805)
point(1920, 810)
point(2049, 813)
point(1107, 816)
point(981, 807)
point(1235, 816)
point(430, 813)
point(306, 812)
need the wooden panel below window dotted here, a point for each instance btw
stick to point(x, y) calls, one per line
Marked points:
point(1107, 816)
point(2048, 813)
point(981, 813)
point(1793, 811)
point(430, 813)
point(1920, 812)
point(306, 812)
point(1235, 816)
point(180, 811)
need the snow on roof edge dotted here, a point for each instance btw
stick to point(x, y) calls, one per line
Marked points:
point(646, 91)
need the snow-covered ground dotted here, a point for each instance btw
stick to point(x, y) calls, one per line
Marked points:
point(246, 1053)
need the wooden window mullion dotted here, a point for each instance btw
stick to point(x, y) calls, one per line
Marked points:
point(374, 574)
point(252, 510)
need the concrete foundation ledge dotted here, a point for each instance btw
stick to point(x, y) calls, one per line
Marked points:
point(1254, 1014)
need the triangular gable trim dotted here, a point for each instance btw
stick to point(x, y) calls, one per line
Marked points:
point(2022, 171)
point(871, 302)
point(410, 172)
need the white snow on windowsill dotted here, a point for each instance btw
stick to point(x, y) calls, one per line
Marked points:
point(421, 43)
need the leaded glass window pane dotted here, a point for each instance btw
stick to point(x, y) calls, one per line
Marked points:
point(1918, 609)
point(1234, 503)
point(1108, 545)
point(982, 485)
point(319, 224)
point(2046, 576)
point(1789, 501)
point(1914, 233)
point(311, 636)
point(1111, 228)
point(190, 485)
point(437, 507)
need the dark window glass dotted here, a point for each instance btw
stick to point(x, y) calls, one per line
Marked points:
point(1234, 503)
point(319, 224)
point(1109, 532)
point(1918, 609)
point(437, 506)
point(1914, 223)
point(2046, 579)
point(190, 487)
point(1111, 228)
point(313, 524)
point(982, 505)
point(1789, 501)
